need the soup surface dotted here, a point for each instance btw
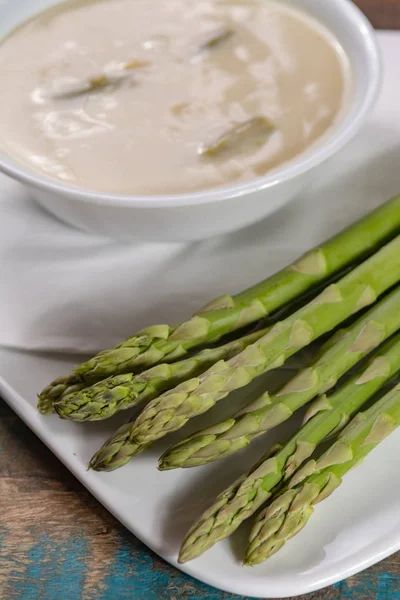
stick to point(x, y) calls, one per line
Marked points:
point(150, 97)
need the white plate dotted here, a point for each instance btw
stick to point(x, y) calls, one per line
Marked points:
point(359, 525)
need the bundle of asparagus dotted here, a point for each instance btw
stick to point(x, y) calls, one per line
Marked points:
point(337, 356)
point(250, 492)
point(105, 398)
point(351, 273)
point(340, 353)
point(120, 392)
point(163, 343)
point(318, 479)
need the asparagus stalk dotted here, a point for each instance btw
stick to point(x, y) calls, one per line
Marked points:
point(337, 356)
point(330, 414)
point(336, 303)
point(105, 398)
point(163, 343)
point(318, 479)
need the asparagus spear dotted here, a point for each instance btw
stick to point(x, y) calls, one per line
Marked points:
point(355, 291)
point(242, 138)
point(117, 451)
point(105, 398)
point(336, 357)
point(318, 479)
point(163, 343)
point(330, 414)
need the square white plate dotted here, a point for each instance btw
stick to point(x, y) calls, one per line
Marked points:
point(360, 524)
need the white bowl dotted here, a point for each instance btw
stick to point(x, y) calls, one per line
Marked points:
point(200, 215)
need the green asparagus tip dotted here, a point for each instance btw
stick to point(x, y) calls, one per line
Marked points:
point(44, 405)
point(251, 563)
point(99, 468)
point(91, 465)
point(162, 466)
point(252, 560)
point(98, 465)
point(185, 557)
point(262, 553)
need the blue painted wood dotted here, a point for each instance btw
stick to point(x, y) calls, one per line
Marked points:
point(59, 568)
point(58, 543)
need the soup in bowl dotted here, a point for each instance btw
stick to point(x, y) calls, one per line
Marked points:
point(178, 120)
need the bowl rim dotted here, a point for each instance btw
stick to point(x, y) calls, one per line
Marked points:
point(298, 166)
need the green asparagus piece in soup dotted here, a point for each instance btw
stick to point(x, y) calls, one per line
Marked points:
point(70, 88)
point(243, 138)
point(216, 37)
point(228, 64)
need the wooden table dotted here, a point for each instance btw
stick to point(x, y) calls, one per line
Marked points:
point(383, 14)
point(58, 543)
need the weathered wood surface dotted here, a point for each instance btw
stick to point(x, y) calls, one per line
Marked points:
point(383, 14)
point(58, 543)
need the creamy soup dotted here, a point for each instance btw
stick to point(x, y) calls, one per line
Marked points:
point(150, 97)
